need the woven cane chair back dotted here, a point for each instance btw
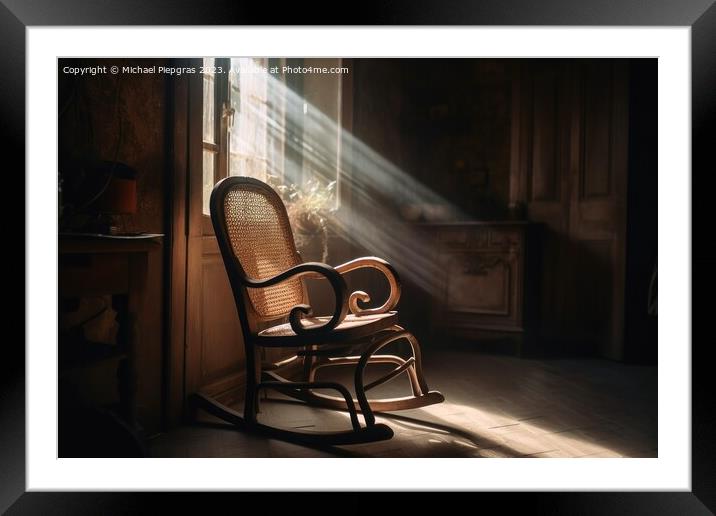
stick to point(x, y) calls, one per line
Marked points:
point(260, 236)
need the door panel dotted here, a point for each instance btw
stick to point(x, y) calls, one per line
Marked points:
point(571, 164)
point(221, 345)
point(214, 343)
point(541, 109)
point(597, 226)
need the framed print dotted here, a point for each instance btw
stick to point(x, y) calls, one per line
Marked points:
point(506, 180)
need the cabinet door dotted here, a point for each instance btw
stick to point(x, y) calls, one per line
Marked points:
point(480, 290)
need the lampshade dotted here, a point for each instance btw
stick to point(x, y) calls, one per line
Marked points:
point(120, 194)
point(119, 197)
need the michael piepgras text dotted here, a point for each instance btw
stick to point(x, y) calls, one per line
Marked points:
point(136, 69)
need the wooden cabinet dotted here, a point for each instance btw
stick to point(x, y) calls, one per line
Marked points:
point(483, 294)
point(109, 271)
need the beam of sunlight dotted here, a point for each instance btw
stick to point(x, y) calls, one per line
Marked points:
point(469, 426)
point(378, 190)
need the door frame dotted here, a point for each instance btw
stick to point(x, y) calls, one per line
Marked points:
point(185, 118)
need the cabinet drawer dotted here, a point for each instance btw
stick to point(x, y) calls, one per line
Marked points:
point(453, 237)
point(506, 238)
point(464, 238)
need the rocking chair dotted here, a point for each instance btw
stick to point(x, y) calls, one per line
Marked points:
point(266, 274)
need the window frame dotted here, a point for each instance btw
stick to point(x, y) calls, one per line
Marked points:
point(290, 157)
point(220, 146)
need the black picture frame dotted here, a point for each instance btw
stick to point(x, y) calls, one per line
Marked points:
point(700, 15)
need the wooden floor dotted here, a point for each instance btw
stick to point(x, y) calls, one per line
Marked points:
point(496, 406)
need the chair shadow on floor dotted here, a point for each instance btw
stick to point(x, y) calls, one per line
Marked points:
point(406, 423)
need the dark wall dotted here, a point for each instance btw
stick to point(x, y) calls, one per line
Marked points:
point(445, 122)
point(378, 106)
point(122, 117)
point(456, 128)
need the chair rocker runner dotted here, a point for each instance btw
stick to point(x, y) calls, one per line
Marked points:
point(266, 274)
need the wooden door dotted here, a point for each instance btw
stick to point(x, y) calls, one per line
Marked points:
point(540, 176)
point(214, 354)
point(597, 203)
point(569, 168)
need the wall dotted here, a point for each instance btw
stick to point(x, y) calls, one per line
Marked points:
point(456, 128)
point(444, 124)
point(89, 128)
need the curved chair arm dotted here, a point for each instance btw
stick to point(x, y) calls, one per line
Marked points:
point(314, 269)
point(359, 296)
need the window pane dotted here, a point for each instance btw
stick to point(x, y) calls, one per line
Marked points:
point(276, 125)
point(209, 108)
point(209, 160)
point(248, 156)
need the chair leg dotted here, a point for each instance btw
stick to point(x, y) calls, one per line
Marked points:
point(253, 377)
point(417, 379)
point(417, 383)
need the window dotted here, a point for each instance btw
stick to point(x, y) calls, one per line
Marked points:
point(268, 120)
point(248, 142)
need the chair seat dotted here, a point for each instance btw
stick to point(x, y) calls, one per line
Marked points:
point(353, 327)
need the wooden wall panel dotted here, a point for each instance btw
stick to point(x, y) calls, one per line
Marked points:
point(221, 342)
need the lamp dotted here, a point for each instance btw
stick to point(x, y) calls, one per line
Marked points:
point(119, 196)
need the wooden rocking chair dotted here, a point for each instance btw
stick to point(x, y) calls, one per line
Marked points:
point(266, 274)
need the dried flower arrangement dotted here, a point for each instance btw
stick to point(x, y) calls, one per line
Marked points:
point(310, 207)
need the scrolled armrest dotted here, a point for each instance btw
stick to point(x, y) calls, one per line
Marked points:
point(312, 269)
point(362, 297)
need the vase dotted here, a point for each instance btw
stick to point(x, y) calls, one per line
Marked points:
point(312, 246)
